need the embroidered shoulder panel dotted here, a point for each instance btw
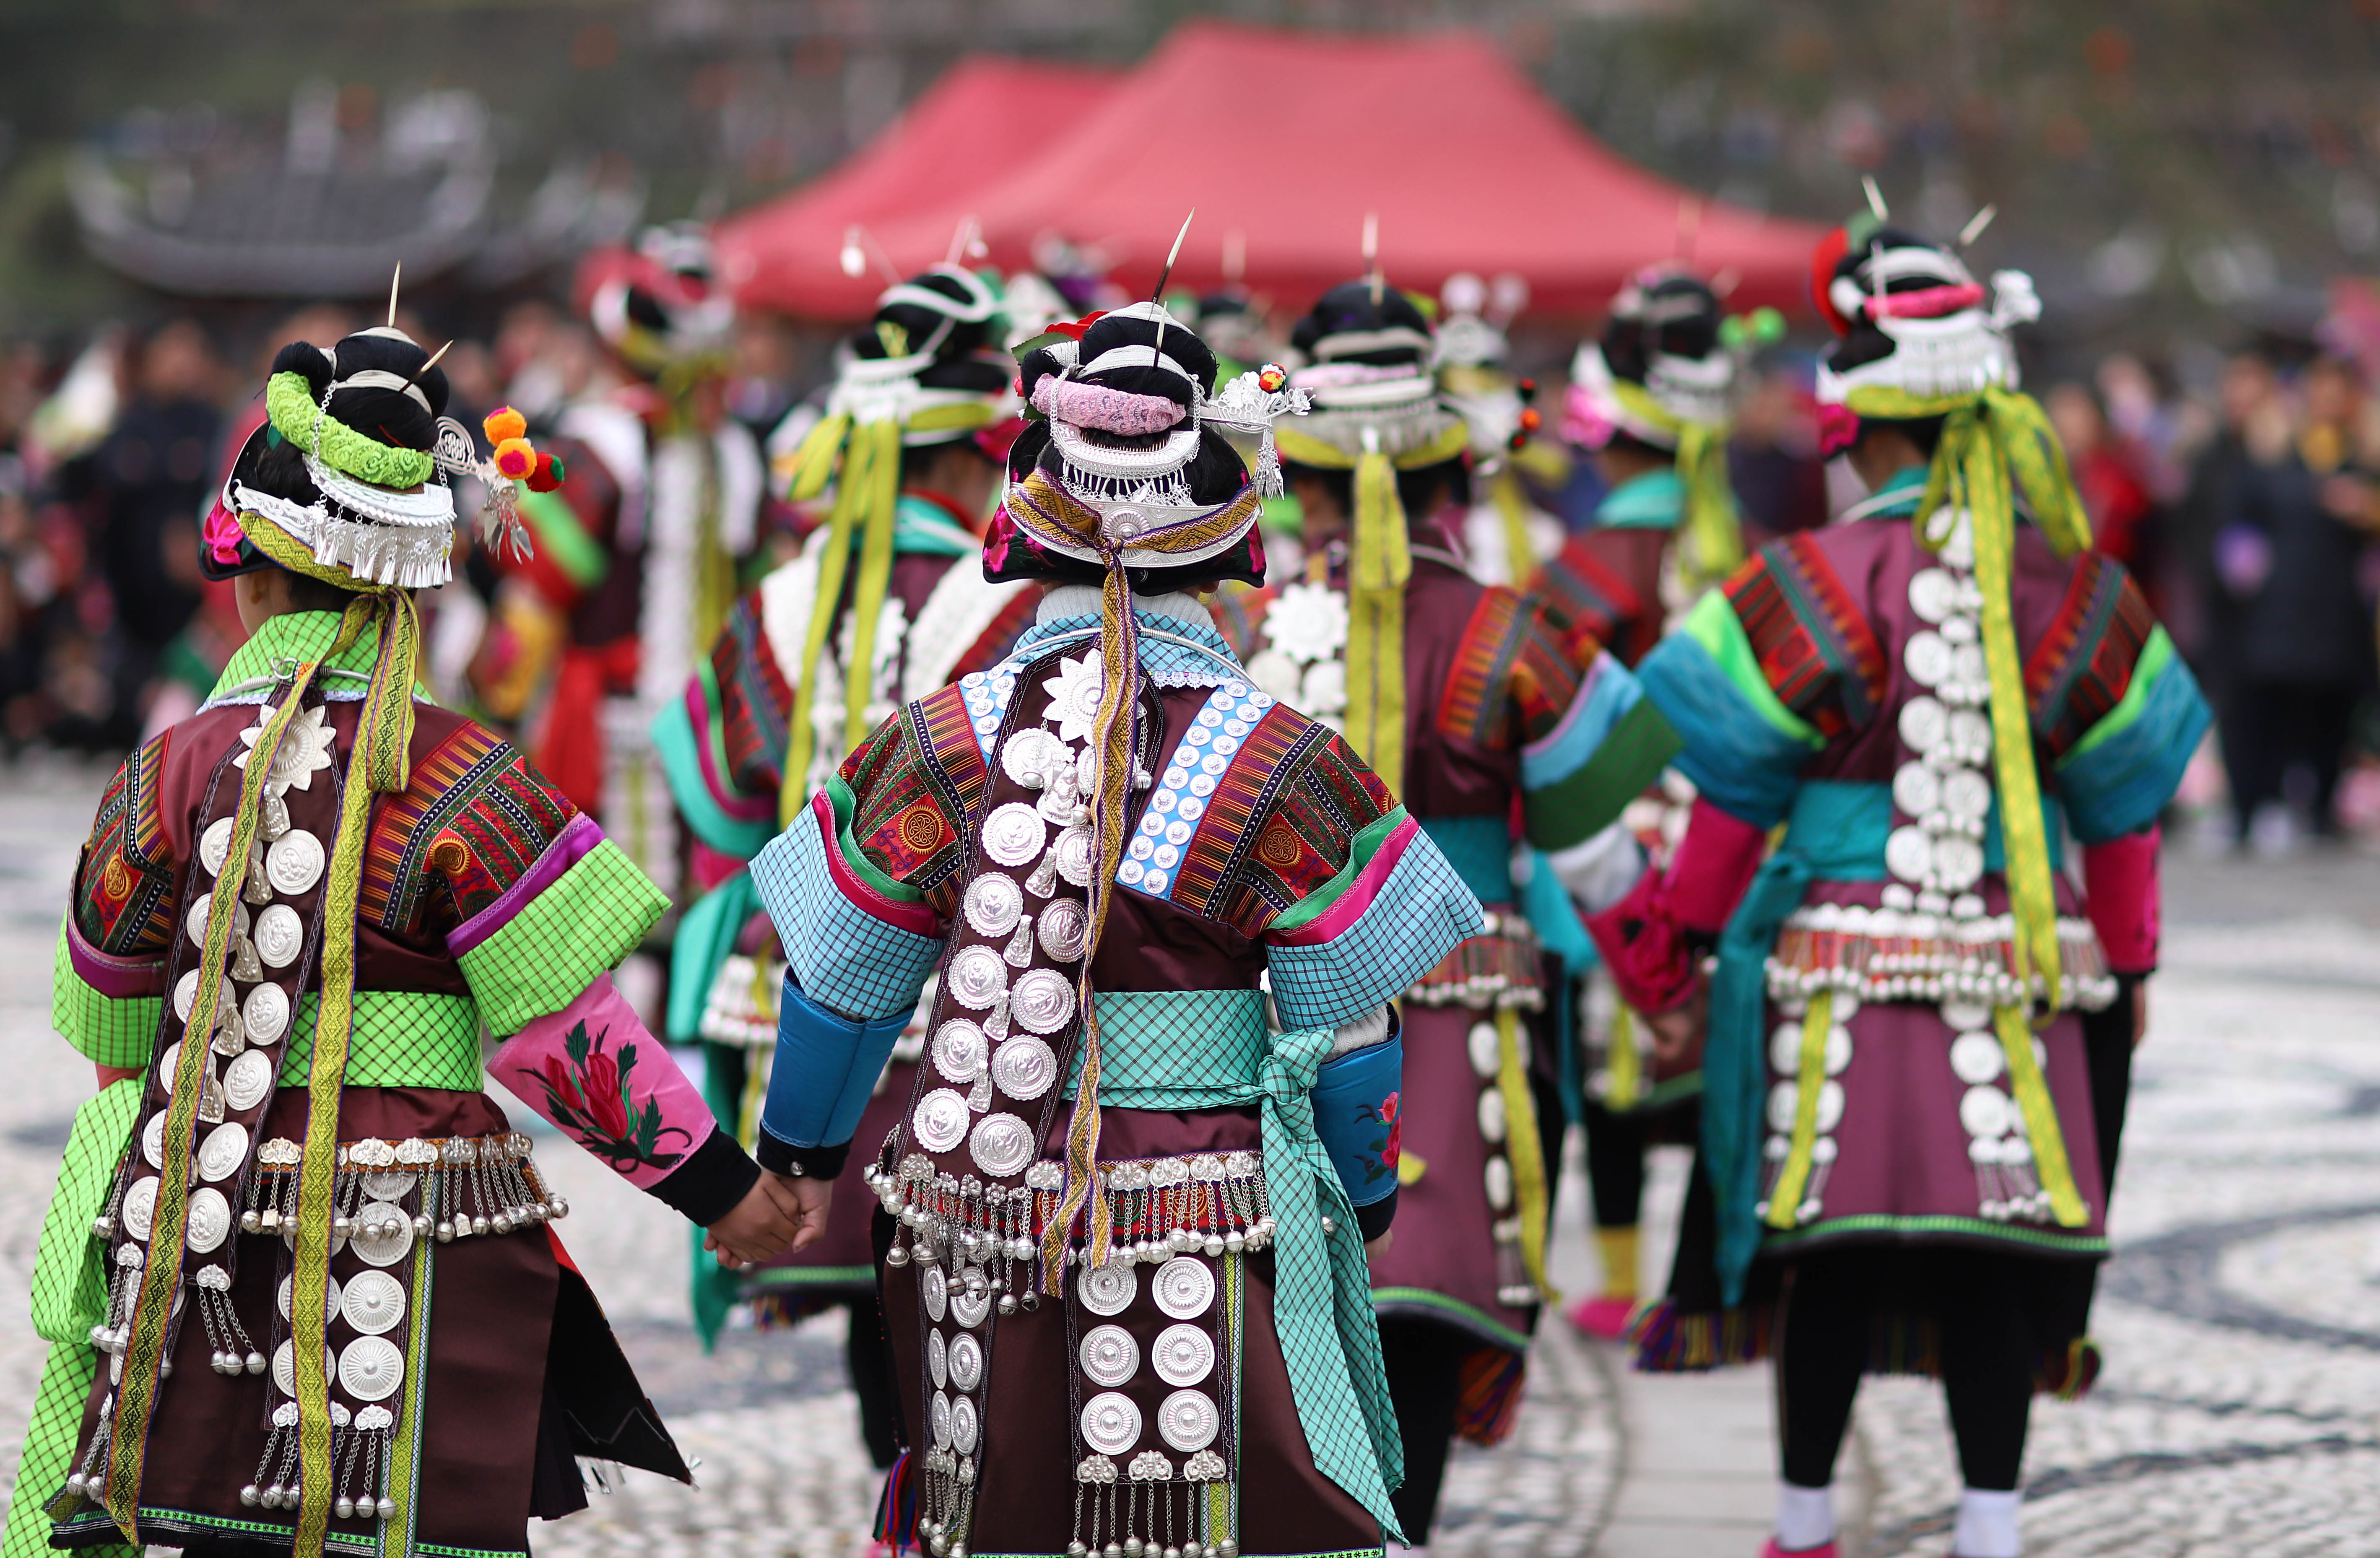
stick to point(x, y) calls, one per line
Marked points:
point(916, 782)
point(753, 697)
point(1278, 823)
point(1813, 643)
point(124, 895)
point(472, 823)
point(1585, 595)
point(2084, 664)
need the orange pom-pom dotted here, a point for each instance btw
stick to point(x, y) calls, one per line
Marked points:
point(515, 458)
point(503, 423)
point(547, 474)
point(1531, 418)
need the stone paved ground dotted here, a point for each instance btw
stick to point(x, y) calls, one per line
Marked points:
point(2241, 1319)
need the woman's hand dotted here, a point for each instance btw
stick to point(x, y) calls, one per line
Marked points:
point(766, 1223)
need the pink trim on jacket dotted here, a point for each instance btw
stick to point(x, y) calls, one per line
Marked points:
point(118, 979)
point(1356, 901)
point(578, 838)
point(725, 796)
point(918, 919)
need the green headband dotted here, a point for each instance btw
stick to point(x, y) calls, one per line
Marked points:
point(289, 401)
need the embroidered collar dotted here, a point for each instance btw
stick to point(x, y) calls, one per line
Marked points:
point(1897, 499)
point(1653, 501)
point(1179, 644)
point(287, 641)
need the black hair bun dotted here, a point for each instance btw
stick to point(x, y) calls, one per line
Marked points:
point(307, 361)
point(1350, 309)
point(1109, 331)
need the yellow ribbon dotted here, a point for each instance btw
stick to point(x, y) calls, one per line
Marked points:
point(1377, 576)
point(2040, 1114)
point(1523, 1148)
point(1623, 1067)
point(1785, 1195)
point(1710, 533)
point(867, 492)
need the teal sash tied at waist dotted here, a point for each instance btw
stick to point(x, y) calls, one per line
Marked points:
point(1836, 831)
point(1210, 1049)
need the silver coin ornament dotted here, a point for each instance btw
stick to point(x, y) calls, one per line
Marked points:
point(384, 1234)
point(222, 1153)
point(934, 1289)
point(266, 1013)
point(1032, 755)
point(960, 1050)
point(1983, 1111)
point(1064, 930)
point(1933, 594)
point(939, 1121)
point(1183, 1354)
point(1109, 1356)
point(140, 1208)
point(993, 904)
point(977, 976)
point(246, 1080)
point(1923, 724)
point(1966, 795)
point(1110, 1423)
point(1108, 1289)
point(294, 863)
point(966, 1361)
point(373, 1303)
point(195, 921)
point(370, 1368)
point(214, 844)
point(284, 1368)
point(389, 1185)
point(1977, 1059)
point(969, 1306)
point(1188, 1422)
point(1024, 1068)
point(1916, 790)
point(1072, 854)
point(279, 936)
point(966, 1428)
point(1043, 1001)
point(1909, 853)
point(207, 1220)
point(941, 1416)
point(1001, 1144)
point(1927, 658)
point(1184, 1287)
point(152, 1141)
point(1014, 834)
point(937, 1359)
point(1958, 862)
point(185, 995)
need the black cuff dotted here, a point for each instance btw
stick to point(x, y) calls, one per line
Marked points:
point(800, 1162)
point(712, 1179)
point(1373, 1219)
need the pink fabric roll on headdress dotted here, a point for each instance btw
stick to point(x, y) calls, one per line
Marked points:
point(1112, 410)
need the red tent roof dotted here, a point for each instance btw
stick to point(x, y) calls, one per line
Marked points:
point(962, 135)
point(1284, 141)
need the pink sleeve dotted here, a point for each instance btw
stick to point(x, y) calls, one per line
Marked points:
point(612, 1088)
point(2120, 886)
point(1651, 959)
point(1715, 863)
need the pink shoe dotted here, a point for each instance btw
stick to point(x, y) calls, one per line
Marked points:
point(1603, 1315)
point(1771, 1549)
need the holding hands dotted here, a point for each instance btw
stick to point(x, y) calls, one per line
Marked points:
point(777, 1216)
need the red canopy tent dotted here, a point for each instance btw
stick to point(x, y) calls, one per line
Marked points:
point(982, 119)
point(1284, 143)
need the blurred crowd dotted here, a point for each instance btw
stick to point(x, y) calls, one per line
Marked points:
point(2250, 511)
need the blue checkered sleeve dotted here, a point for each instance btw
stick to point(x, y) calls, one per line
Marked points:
point(1421, 913)
point(843, 957)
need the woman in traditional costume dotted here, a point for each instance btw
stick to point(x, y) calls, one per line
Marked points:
point(1949, 703)
point(914, 434)
point(1474, 710)
point(298, 1276)
point(1652, 398)
point(1137, 1325)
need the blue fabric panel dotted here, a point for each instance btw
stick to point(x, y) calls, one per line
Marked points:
point(1738, 760)
point(2121, 784)
point(826, 1068)
point(1356, 1103)
point(842, 954)
point(1419, 916)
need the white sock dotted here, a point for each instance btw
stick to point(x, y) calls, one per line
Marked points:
point(1806, 1517)
point(1986, 1525)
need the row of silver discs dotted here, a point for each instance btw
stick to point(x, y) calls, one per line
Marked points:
point(1943, 788)
point(1485, 1046)
point(1183, 1357)
point(2007, 1186)
point(1785, 1100)
point(1006, 1050)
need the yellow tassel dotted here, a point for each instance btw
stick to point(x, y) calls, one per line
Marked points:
point(1376, 633)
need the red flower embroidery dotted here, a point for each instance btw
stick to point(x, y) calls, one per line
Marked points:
point(591, 1093)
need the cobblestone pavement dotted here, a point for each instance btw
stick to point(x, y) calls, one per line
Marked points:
point(2242, 1318)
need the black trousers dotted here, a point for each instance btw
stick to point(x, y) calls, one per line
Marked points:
point(2271, 727)
point(1423, 1360)
point(1827, 1327)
